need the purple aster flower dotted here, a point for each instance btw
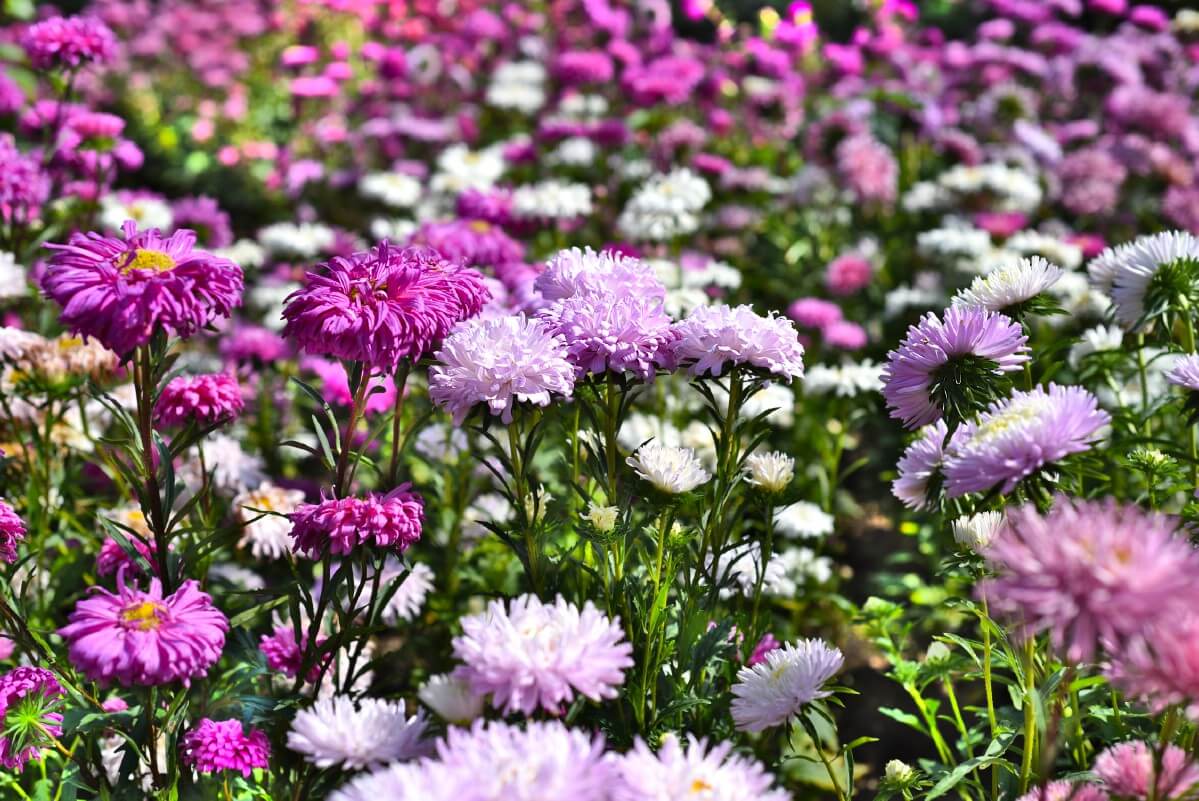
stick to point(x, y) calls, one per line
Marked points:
point(1180, 205)
point(1016, 437)
point(489, 205)
point(613, 333)
point(693, 770)
point(68, 42)
point(670, 80)
point(253, 343)
point(382, 305)
point(918, 465)
point(715, 337)
point(144, 638)
point(1185, 373)
point(844, 335)
point(206, 399)
point(335, 385)
point(120, 290)
point(1090, 573)
point(575, 67)
point(36, 694)
point(212, 746)
point(24, 185)
point(772, 692)
point(967, 335)
point(12, 531)
point(1132, 770)
point(576, 272)
point(339, 731)
point(868, 169)
point(1091, 181)
point(1161, 666)
point(531, 655)
point(392, 521)
point(205, 216)
point(500, 361)
point(470, 243)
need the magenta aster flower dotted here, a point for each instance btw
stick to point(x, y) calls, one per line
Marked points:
point(617, 333)
point(120, 290)
point(814, 312)
point(1130, 770)
point(205, 216)
point(470, 243)
point(1161, 667)
point(868, 168)
point(144, 638)
point(112, 557)
point(335, 385)
point(765, 645)
point(253, 343)
point(1089, 573)
point(212, 746)
point(68, 42)
point(693, 770)
point(529, 654)
point(285, 655)
point(29, 702)
point(204, 399)
point(12, 531)
point(500, 362)
point(713, 338)
point(382, 305)
point(24, 185)
point(1185, 373)
point(1015, 437)
point(934, 348)
point(392, 521)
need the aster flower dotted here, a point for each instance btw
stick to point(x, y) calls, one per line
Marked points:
point(416, 581)
point(24, 184)
point(764, 646)
point(253, 343)
point(678, 771)
point(572, 273)
point(671, 470)
point(68, 42)
point(339, 731)
point(1008, 288)
point(1132, 770)
point(977, 532)
point(1161, 666)
point(927, 372)
point(12, 531)
point(112, 558)
point(205, 216)
point(1014, 438)
point(772, 692)
point(803, 519)
point(713, 338)
point(263, 513)
point(382, 305)
point(396, 189)
point(665, 207)
point(140, 637)
point(868, 168)
point(451, 698)
point(494, 762)
point(213, 746)
point(285, 654)
point(1146, 276)
point(29, 702)
point(500, 362)
point(1065, 790)
point(470, 243)
point(1089, 573)
point(392, 521)
point(1185, 373)
point(120, 290)
point(207, 399)
point(771, 471)
point(613, 333)
point(814, 312)
point(919, 466)
point(552, 200)
point(529, 654)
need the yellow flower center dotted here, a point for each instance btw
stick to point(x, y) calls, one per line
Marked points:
point(143, 616)
point(699, 786)
point(154, 261)
point(481, 226)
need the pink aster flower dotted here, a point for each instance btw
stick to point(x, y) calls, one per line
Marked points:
point(335, 385)
point(765, 645)
point(967, 334)
point(528, 654)
point(1089, 573)
point(1015, 437)
point(36, 693)
point(382, 305)
point(212, 746)
point(500, 362)
point(12, 531)
point(203, 399)
point(248, 343)
point(772, 692)
point(610, 332)
point(848, 273)
point(844, 335)
point(112, 557)
point(868, 168)
point(24, 185)
point(712, 338)
point(575, 272)
point(1065, 790)
point(814, 312)
point(120, 290)
point(392, 521)
point(1129, 770)
point(68, 42)
point(143, 638)
point(1161, 667)
point(284, 654)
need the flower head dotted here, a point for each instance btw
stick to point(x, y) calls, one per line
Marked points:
point(771, 471)
point(29, 702)
point(264, 514)
point(451, 698)
point(392, 521)
point(140, 637)
point(1185, 373)
point(529, 654)
point(1161, 666)
point(976, 532)
point(773, 691)
point(671, 470)
point(692, 770)
point(1011, 285)
point(339, 731)
point(713, 338)
point(571, 273)
point(12, 531)
point(1148, 274)
point(1065, 790)
point(382, 305)
point(204, 399)
point(1129, 770)
point(618, 333)
point(285, 654)
point(213, 746)
point(803, 519)
point(68, 42)
point(1089, 573)
point(919, 466)
point(120, 290)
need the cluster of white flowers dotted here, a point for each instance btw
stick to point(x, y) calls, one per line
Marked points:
point(396, 189)
point(263, 514)
point(147, 212)
point(556, 200)
point(13, 281)
point(1013, 189)
point(518, 85)
point(459, 168)
point(844, 380)
point(301, 240)
point(665, 206)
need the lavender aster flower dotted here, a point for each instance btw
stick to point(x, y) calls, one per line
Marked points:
point(1089, 573)
point(339, 731)
point(715, 337)
point(575, 272)
point(205, 216)
point(392, 521)
point(213, 746)
point(694, 770)
point(500, 362)
point(68, 42)
point(918, 465)
point(24, 185)
point(531, 655)
point(120, 290)
point(935, 351)
point(204, 399)
point(1185, 373)
point(1016, 437)
point(382, 305)
point(613, 333)
point(12, 531)
point(773, 691)
point(29, 700)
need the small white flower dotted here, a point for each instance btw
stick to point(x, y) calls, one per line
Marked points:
point(977, 531)
point(898, 772)
point(1132, 267)
point(1096, 340)
point(1033, 243)
point(235, 575)
point(451, 699)
point(556, 200)
point(396, 189)
point(574, 151)
point(416, 581)
point(518, 85)
point(843, 380)
point(459, 168)
point(803, 519)
point(13, 281)
point(937, 653)
point(490, 507)
point(232, 469)
point(267, 535)
point(244, 253)
point(602, 517)
point(337, 731)
point(771, 471)
point(665, 206)
point(670, 470)
point(147, 212)
point(302, 240)
point(440, 443)
point(773, 691)
point(1010, 285)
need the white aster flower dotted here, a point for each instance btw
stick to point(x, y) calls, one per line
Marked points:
point(490, 507)
point(147, 212)
point(803, 519)
point(518, 85)
point(1133, 266)
point(844, 380)
point(392, 229)
point(337, 731)
point(243, 252)
point(459, 168)
point(670, 470)
point(415, 584)
point(1033, 243)
point(231, 468)
point(771, 471)
point(236, 576)
point(574, 151)
point(1096, 340)
point(603, 518)
point(552, 200)
point(1010, 285)
point(739, 570)
point(924, 196)
point(803, 565)
point(13, 281)
point(977, 531)
point(441, 442)
point(299, 240)
point(665, 206)
point(772, 692)
point(396, 189)
point(957, 243)
point(451, 699)
point(262, 512)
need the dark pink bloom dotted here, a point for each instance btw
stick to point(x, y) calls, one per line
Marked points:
point(112, 557)
point(848, 273)
point(68, 42)
point(204, 399)
point(32, 684)
point(1001, 223)
point(392, 521)
point(765, 645)
point(844, 335)
point(470, 243)
point(284, 654)
point(213, 746)
point(12, 531)
point(253, 343)
point(205, 216)
point(814, 312)
point(335, 385)
point(24, 185)
point(1129, 770)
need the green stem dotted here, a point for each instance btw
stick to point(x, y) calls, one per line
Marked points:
point(1030, 715)
point(397, 416)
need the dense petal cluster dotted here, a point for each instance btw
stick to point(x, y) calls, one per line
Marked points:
point(285, 654)
point(203, 399)
point(1010, 285)
point(120, 290)
point(1127, 272)
point(1161, 666)
point(382, 305)
point(68, 42)
point(574, 272)
point(1185, 373)
point(613, 333)
point(692, 770)
point(713, 338)
point(530, 655)
point(137, 637)
point(1132, 770)
point(339, 731)
point(12, 531)
point(773, 691)
point(342, 525)
point(212, 746)
point(37, 686)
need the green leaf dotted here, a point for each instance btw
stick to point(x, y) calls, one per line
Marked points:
point(950, 780)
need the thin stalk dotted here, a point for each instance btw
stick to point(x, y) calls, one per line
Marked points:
point(1030, 715)
point(397, 416)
